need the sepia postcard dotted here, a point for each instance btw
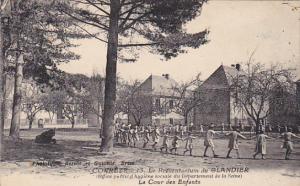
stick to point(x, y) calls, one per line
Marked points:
point(149, 92)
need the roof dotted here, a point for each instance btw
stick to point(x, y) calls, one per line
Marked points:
point(221, 78)
point(158, 85)
point(231, 73)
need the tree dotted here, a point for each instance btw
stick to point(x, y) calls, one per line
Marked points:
point(4, 12)
point(75, 93)
point(32, 102)
point(6, 42)
point(17, 98)
point(253, 88)
point(133, 102)
point(72, 92)
point(70, 111)
point(19, 62)
point(60, 100)
point(186, 101)
point(140, 106)
point(127, 22)
point(7, 89)
point(124, 92)
point(50, 101)
point(40, 39)
point(93, 100)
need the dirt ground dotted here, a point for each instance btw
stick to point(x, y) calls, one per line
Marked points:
point(69, 163)
point(68, 155)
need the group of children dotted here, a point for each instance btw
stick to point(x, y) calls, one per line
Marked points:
point(170, 137)
point(261, 145)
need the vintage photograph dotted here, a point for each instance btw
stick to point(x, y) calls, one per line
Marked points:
point(149, 92)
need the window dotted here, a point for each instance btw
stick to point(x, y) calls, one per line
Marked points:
point(171, 121)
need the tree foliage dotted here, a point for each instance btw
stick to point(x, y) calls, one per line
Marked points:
point(134, 23)
point(32, 101)
point(253, 89)
point(141, 23)
point(94, 97)
point(43, 35)
point(186, 100)
point(133, 102)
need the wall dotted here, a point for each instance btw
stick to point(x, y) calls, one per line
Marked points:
point(214, 108)
point(284, 109)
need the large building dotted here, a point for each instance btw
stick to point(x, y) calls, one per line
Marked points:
point(154, 102)
point(285, 106)
point(217, 104)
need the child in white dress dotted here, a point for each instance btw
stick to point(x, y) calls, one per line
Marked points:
point(233, 141)
point(208, 141)
point(189, 143)
point(261, 144)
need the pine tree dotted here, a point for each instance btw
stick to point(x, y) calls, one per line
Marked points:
point(124, 24)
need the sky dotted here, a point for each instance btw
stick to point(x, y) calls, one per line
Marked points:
point(237, 28)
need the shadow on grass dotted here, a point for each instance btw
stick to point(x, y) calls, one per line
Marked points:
point(27, 149)
point(291, 175)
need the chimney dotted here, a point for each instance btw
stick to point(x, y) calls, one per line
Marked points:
point(166, 76)
point(238, 67)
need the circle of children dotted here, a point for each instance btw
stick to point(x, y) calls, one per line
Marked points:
point(171, 135)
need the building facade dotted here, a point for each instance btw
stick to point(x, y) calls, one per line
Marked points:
point(217, 105)
point(156, 100)
point(285, 107)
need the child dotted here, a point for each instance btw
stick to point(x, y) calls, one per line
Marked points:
point(222, 128)
point(208, 141)
point(118, 135)
point(175, 143)
point(129, 137)
point(189, 143)
point(128, 134)
point(201, 129)
point(181, 131)
point(233, 142)
point(287, 143)
point(124, 135)
point(116, 131)
point(155, 137)
point(146, 136)
point(165, 141)
point(134, 135)
point(261, 144)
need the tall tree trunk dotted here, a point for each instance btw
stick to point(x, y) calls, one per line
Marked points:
point(16, 110)
point(110, 80)
point(5, 11)
point(257, 124)
point(1, 87)
point(50, 116)
point(30, 122)
point(186, 119)
point(73, 123)
point(5, 97)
